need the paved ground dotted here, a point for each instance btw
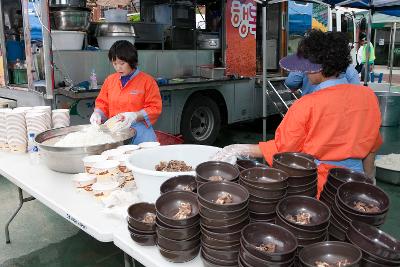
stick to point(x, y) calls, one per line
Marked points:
point(41, 238)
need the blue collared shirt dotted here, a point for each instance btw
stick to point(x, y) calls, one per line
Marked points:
point(297, 80)
point(125, 79)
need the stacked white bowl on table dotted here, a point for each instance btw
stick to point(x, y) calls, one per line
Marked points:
point(36, 123)
point(47, 111)
point(60, 118)
point(17, 138)
point(3, 129)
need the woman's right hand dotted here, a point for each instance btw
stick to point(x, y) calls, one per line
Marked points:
point(95, 119)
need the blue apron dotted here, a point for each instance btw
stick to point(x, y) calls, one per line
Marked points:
point(353, 164)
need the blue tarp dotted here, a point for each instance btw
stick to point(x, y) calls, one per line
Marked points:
point(388, 7)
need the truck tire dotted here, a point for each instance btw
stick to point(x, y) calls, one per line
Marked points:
point(201, 121)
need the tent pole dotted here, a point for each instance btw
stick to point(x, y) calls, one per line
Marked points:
point(392, 55)
point(390, 46)
point(264, 66)
point(367, 66)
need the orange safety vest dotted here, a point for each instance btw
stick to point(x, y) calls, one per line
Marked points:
point(333, 124)
point(140, 93)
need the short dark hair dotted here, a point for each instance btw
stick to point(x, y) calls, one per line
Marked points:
point(125, 51)
point(330, 49)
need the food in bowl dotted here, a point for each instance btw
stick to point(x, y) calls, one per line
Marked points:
point(224, 198)
point(90, 136)
point(301, 218)
point(149, 218)
point(268, 247)
point(216, 178)
point(185, 209)
point(364, 207)
point(341, 263)
point(173, 166)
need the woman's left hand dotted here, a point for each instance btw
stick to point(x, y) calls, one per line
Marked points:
point(125, 120)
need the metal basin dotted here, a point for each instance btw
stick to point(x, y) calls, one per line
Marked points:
point(389, 104)
point(115, 29)
point(69, 159)
point(70, 19)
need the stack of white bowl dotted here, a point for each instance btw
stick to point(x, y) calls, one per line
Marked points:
point(3, 129)
point(60, 118)
point(47, 111)
point(16, 130)
point(36, 123)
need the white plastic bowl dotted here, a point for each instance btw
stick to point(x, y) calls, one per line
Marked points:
point(83, 179)
point(128, 149)
point(67, 40)
point(142, 163)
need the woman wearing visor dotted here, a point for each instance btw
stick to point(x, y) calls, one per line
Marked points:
point(338, 126)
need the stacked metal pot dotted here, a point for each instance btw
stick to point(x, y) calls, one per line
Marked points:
point(69, 15)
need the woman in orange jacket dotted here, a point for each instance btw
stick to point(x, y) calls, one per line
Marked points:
point(338, 124)
point(130, 96)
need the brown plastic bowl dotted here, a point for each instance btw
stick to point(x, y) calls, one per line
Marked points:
point(251, 260)
point(177, 234)
point(374, 241)
point(179, 183)
point(339, 176)
point(208, 169)
point(216, 244)
point(139, 232)
point(303, 242)
point(137, 212)
point(336, 231)
point(298, 232)
point(167, 205)
point(294, 164)
point(255, 234)
point(265, 199)
point(302, 180)
point(221, 215)
point(263, 192)
point(293, 205)
point(208, 193)
point(234, 227)
point(225, 255)
point(311, 192)
point(233, 236)
point(262, 207)
point(179, 256)
point(351, 192)
point(244, 164)
point(262, 216)
point(171, 244)
point(330, 252)
point(144, 240)
point(210, 261)
point(210, 222)
point(267, 178)
point(300, 188)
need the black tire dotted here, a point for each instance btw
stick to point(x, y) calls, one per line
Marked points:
point(201, 121)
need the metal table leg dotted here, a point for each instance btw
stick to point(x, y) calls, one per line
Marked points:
point(22, 200)
point(127, 260)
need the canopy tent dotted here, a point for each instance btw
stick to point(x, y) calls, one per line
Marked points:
point(388, 7)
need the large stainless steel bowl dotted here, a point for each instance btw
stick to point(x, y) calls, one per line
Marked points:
point(69, 159)
point(115, 29)
point(70, 19)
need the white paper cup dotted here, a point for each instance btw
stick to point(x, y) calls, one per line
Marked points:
point(128, 149)
point(89, 161)
point(107, 170)
point(83, 179)
point(112, 153)
point(104, 188)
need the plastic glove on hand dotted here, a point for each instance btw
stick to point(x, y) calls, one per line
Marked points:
point(232, 152)
point(95, 118)
point(123, 121)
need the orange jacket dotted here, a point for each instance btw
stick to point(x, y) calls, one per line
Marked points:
point(140, 93)
point(334, 124)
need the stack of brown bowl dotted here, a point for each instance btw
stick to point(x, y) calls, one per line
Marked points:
point(266, 187)
point(244, 164)
point(216, 171)
point(142, 223)
point(360, 202)
point(224, 213)
point(378, 248)
point(265, 244)
point(337, 177)
point(330, 253)
point(306, 217)
point(302, 171)
point(179, 183)
point(178, 233)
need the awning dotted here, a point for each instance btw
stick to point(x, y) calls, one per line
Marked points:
point(388, 7)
